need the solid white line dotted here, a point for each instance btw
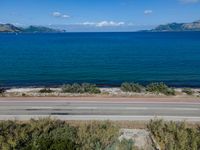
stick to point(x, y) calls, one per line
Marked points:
point(100, 117)
point(101, 102)
point(134, 108)
point(101, 108)
point(40, 107)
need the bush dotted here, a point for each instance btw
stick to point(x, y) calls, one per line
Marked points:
point(46, 90)
point(2, 90)
point(160, 88)
point(83, 88)
point(175, 135)
point(98, 135)
point(44, 134)
point(188, 91)
point(131, 87)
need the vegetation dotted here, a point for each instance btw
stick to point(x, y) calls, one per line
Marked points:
point(153, 87)
point(2, 91)
point(47, 134)
point(160, 88)
point(46, 90)
point(175, 135)
point(81, 88)
point(188, 91)
point(131, 87)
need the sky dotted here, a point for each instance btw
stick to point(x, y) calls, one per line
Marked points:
point(98, 15)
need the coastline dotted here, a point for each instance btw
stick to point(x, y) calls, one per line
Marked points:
point(111, 92)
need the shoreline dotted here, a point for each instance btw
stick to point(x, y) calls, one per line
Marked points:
point(114, 92)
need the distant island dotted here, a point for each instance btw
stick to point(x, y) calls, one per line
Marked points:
point(178, 27)
point(9, 28)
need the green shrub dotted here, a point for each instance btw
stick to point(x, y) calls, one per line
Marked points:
point(160, 88)
point(2, 91)
point(83, 88)
point(46, 90)
point(175, 135)
point(45, 134)
point(125, 145)
point(188, 91)
point(131, 87)
point(98, 135)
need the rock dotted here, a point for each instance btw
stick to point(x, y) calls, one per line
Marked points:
point(142, 139)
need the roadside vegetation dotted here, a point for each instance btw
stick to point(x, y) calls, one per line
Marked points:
point(175, 135)
point(2, 91)
point(80, 88)
point(132, 87)
point(47, 134)
point(46, 90)
point(188, 91)
point(158, 87)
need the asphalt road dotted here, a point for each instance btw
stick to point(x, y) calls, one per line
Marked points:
point(98, 110)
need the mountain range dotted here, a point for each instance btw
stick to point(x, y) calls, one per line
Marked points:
point(31, 29)
point(178, 27)
point(171, 27)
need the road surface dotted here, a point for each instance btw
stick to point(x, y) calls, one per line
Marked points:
point(101, 109)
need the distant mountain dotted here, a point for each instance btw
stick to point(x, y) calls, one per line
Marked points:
point(30, 29)
point(40, 29)
point(9, 28)
point(178, 27)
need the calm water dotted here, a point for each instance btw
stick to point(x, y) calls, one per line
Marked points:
point(102, 58)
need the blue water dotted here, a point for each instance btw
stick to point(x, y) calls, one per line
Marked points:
point(101, 58)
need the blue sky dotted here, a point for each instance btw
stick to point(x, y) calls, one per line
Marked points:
point(98, 15)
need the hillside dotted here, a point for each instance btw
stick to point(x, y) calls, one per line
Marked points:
point(178, 27)
point(31, 29)
point(9, 28)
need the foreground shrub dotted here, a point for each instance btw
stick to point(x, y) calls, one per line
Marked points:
point(81, 88)
point(46, 90)
point(175, 135)
point(41, 134)
point(188, 91)
point(131, 87)
point(47, 134)
point(98, 135)
point(160, 88)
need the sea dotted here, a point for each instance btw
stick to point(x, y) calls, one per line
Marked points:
point(106, 59)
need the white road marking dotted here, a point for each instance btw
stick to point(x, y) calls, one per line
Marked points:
point(100, 108)
point(100, 117)
point(40, 107)
point(101, 102)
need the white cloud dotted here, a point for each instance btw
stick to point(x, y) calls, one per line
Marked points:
point(109, 24)
point(65, 16)
point(89, 23)
point(58, 14)
point(188, 1)
point(147, 12)
point(103, 24)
